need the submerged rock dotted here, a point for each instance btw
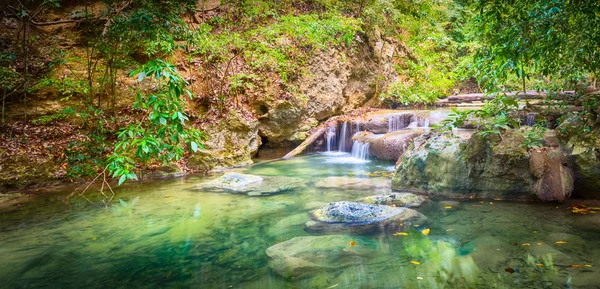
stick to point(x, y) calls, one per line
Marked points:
point(306, 256)
point(397, 199)
point(348, 183)
point(359, 218)
point(251, 185)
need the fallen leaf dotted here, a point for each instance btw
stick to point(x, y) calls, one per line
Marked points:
point(419, 278)
point(415, 263)
point(491, 203)
point(525, 245)
point(540, 265)
point(510, 270)
point(400, 234)
point(560, 242)
point(576, 266)
point(352, 243)
point(426, 231)
point(540, 243)
point(450, 230)
point(588, 265)
point(448, 207)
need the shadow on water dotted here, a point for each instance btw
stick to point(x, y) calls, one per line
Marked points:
point(166, 234)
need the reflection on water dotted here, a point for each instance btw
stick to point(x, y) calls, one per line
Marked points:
point(162, 234)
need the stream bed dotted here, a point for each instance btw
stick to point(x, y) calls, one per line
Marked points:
point(169, 234)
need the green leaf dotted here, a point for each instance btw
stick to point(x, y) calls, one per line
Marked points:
point(194, 146)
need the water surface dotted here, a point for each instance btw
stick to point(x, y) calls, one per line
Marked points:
point(162, 234)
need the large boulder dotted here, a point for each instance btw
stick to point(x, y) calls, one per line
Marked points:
point(359, 218)
point(389, 146)
point(251, 185)
point(464, 166)
point(231, 142)
point(303, 257)
point(396, 199)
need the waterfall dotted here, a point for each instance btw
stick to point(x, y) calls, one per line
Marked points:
point(530, 119)
point(330, 137)
point(360, 150)
point(342, 142)
point(396, 122)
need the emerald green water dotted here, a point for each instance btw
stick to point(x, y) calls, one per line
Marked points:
point(164, 235)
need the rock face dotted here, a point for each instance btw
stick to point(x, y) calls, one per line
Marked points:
point(304, 256)
point(232, 142)
point(446, 165)
point(359, 184)
point(358, 218)
point(251, 185)
point(396, 199)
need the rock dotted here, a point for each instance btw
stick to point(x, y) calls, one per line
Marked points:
point(251, 185)
point(164, 172)
point(302, 257)
point(231, 142)
point(586, 170)
point(554, 178)
point(397, 199)
point(450, 166)
point(359, 184)
point(358, 218)
point(389, 146)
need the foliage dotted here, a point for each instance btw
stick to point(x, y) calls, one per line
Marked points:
point(494, 117)
point(159, 137)
point(533, 137)
point(557, 39)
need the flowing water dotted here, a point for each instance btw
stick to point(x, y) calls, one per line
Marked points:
point(164, 235)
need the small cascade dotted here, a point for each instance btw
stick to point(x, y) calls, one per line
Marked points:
point(330, 138)
point(357, 127)
point(425, 122)
point(413, 124)
point(342, 141)
point(530, 119)
point(360, 150)
point(396, 122)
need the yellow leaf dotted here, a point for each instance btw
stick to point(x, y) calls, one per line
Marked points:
point(401, 234)
point(540, 243)
point(419, 278)
point(540, 265)
point(426, 231)
point(448, 207)
point(560, 242)
point(525, 245)
point(588, 265)
point(491, 203)
point(415, 263)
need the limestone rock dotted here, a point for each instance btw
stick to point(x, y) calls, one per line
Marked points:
point(251, 185)
point(451, 166)
point(397, 199)
point(358, 218)
point(231, 142)
point(554, 178)
point(302, 257)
